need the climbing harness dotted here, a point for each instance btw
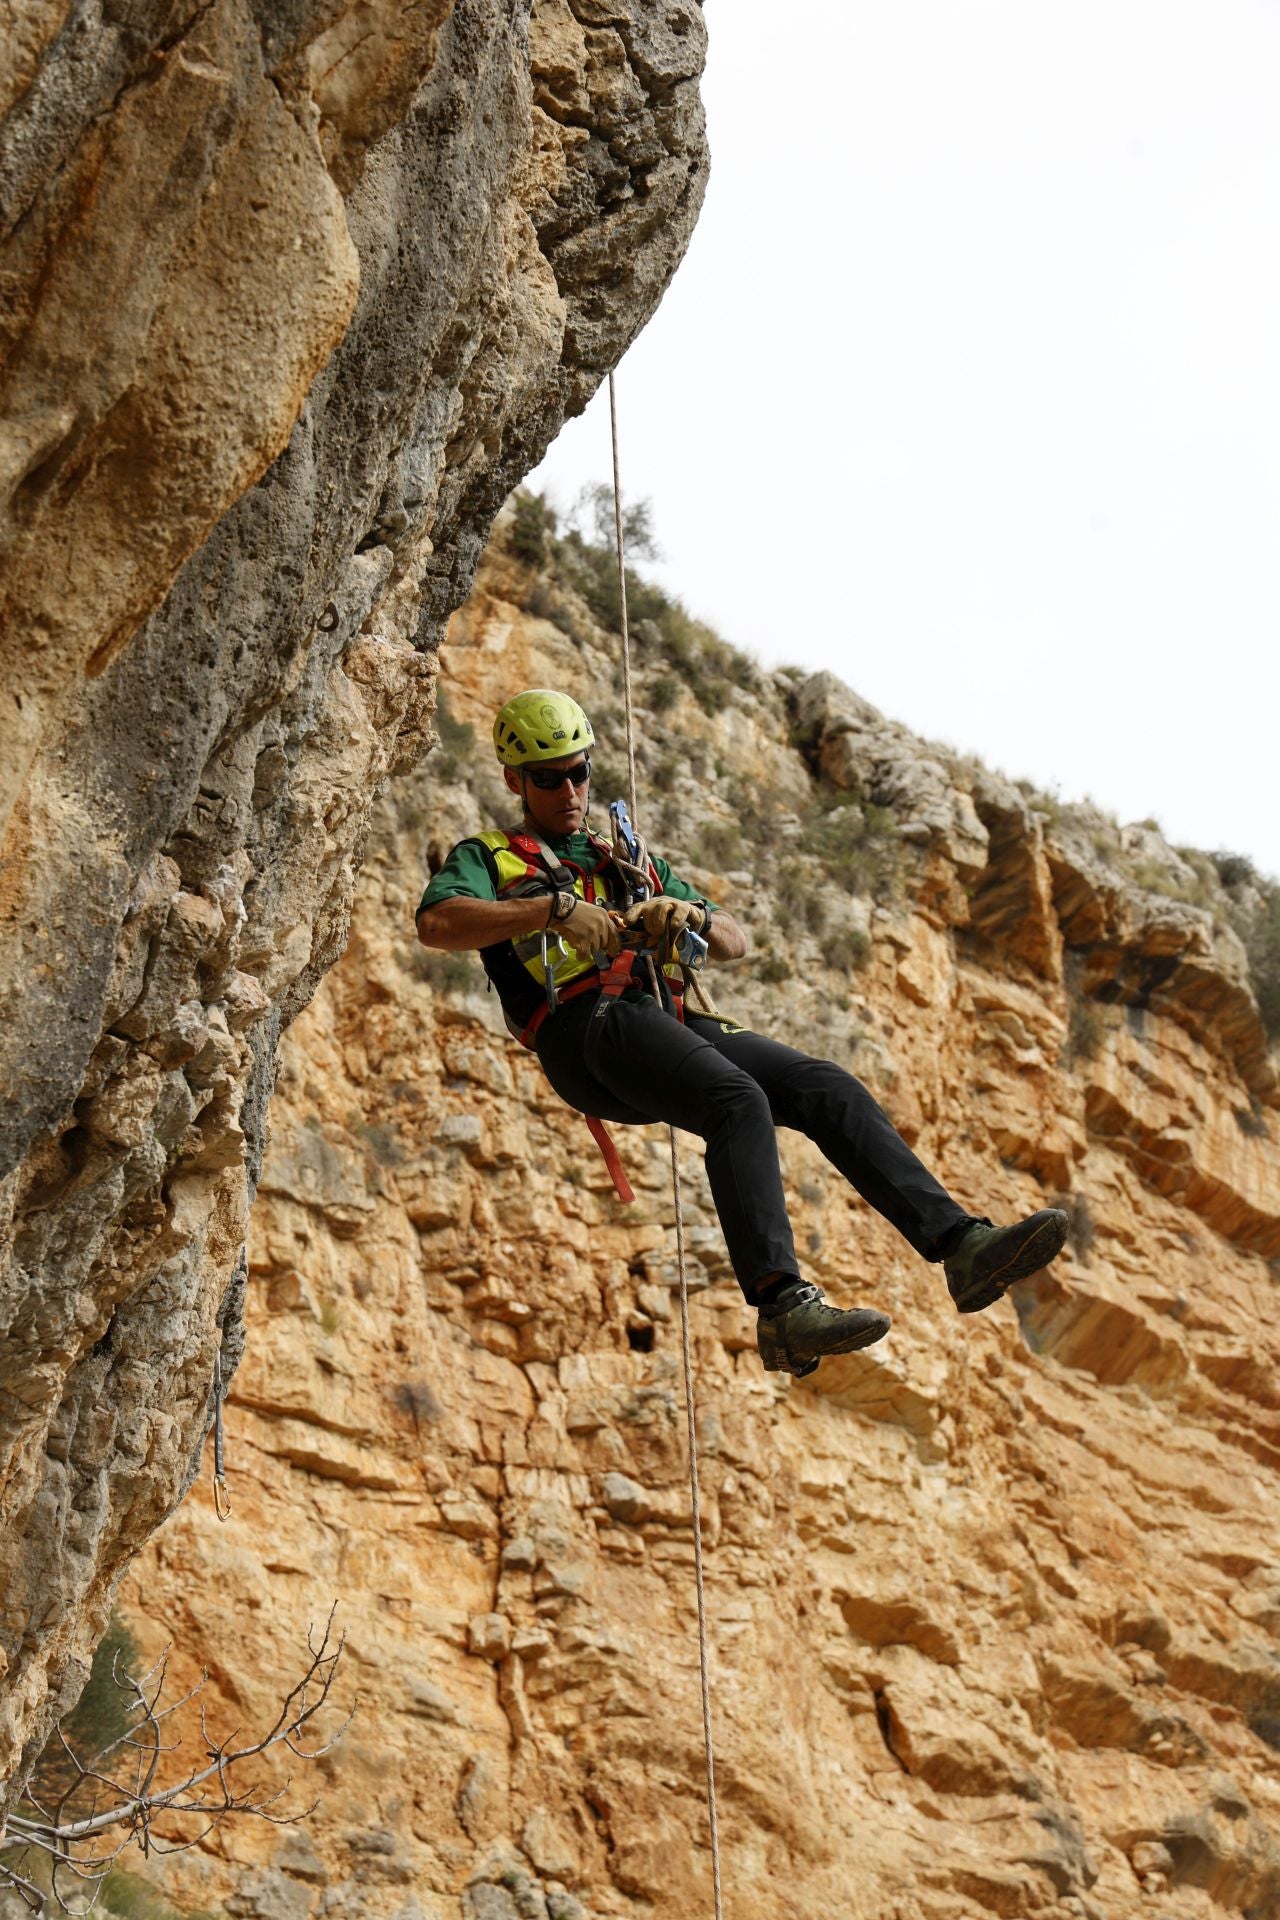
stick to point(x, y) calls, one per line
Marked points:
point(703, 1662)
point(221, 1498)
point(525, 866)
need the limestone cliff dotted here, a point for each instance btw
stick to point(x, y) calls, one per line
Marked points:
point(995, 1608)
point(292, 295)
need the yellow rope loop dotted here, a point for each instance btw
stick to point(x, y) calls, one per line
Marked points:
point(690, 1416)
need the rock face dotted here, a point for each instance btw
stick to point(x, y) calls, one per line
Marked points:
point(293, 295)
point(995, 1608)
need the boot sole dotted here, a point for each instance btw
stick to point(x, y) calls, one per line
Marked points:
point(874, 1327)
point(1044, 1245)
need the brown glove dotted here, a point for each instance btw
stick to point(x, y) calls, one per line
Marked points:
point(583, 926)
point(664, 918)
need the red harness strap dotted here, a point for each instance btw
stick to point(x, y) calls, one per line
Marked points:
point(539, 861)
point(609, 1154)
point(611, 984)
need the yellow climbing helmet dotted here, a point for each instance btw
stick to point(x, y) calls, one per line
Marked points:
point(540, 725)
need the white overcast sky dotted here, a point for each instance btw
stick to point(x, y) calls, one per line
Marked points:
point(969, 385)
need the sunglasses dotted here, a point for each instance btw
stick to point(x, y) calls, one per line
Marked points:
point(548, 779)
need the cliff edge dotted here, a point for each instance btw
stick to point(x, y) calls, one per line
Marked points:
point(292, 297)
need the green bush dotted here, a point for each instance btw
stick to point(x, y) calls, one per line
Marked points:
point(799, 901)
point(530, 524)
point(846, 949)
point(99, 1718)
point(608, 783)
point(457, 742)
point(857, 844)
point(664, 693)
point(805, 737)
point(659, 625)
point(594, 512)
point(719, 845)
point(1262, 943)
point(130, 1898)
point(815, 910)
point(593, 572)
point(1234, 869)
point(1085, 1031)
point(1259, 929)
point(446, 972)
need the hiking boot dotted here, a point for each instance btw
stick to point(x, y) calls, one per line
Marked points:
point(989, 1259)
point(797, 1327)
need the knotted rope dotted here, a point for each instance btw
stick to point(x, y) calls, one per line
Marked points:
point(703, 1662)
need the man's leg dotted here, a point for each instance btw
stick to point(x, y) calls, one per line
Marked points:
point(647, 1059)
point(628, 1054)
point(822, 1100)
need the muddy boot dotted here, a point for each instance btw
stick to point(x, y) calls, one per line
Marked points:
point(796, 1327)
point(989, 1259)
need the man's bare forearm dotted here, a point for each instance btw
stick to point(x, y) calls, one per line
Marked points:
point(461, 925)
point(725, 938)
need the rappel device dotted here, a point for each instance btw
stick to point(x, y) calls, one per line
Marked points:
point(630, 857)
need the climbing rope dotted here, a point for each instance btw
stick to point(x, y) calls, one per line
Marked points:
point(622, 604)
point(690, 1419)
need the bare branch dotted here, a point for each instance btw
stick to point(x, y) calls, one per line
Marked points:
point(70, 1835)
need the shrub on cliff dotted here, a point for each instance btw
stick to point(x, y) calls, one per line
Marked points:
point(662, 629)
point(532, 521)
point(457, 743)
point(99, 1718)
point(1255, 914)
point(856, 843)
point(1263, 944)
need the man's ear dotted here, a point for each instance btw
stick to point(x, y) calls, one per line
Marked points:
point(512, 778)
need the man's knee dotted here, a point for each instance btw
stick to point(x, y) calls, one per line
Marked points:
point(727, 1096)
point(811, 1086)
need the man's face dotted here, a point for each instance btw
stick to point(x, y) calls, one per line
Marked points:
point(557, 808)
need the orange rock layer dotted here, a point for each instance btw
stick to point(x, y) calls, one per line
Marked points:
point(994, 1609)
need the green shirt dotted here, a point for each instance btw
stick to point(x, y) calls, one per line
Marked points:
point(468, 872)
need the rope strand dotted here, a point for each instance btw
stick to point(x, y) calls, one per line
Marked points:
point(622, 603)
point(703, 1663)
point(704, 1668)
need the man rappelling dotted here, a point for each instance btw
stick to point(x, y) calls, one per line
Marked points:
point(589, 944)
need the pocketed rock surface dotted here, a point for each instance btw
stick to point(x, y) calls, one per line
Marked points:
point(994, 1607)
point(293, 295)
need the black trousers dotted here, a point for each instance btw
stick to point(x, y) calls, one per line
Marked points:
point(629, 1060)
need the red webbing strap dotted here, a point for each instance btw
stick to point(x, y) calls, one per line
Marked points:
point(617, 978)
point(610, 984)
point(588, 983)
point(609, 1154)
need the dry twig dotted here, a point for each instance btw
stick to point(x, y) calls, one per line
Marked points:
point(100, 1810)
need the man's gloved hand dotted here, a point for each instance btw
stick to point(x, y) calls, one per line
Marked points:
point(663, 919)
point(583, 926)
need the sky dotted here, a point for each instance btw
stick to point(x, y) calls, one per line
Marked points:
point(968, 388)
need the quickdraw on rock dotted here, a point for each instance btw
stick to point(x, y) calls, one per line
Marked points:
point(221, 1497)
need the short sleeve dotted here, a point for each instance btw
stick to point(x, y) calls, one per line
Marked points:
point(467, 874)
point(677, 888)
